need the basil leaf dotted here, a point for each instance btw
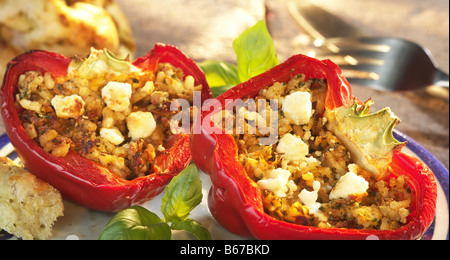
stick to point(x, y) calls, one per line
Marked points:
point(219, 73)
point(193, 227)
point(182, 194)
point(217, 91)
point(255, 52)
point(136, 223)
point(221, 76)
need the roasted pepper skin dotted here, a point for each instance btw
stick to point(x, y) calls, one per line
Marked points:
point(81, 180)
point(235, 200)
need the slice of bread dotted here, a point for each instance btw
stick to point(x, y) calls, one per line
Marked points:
point(28, 205)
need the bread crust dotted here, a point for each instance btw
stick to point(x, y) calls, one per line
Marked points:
point(28, 206)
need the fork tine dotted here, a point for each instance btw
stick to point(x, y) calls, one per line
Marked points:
point(356, 45)
point(359, 74)
point(352, 60)
point(362, 67)
point(388, 64)
point(357, 68)
point(375, 84)
point(356, 51)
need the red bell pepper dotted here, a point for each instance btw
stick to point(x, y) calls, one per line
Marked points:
point(235, 200)
point(77, 178)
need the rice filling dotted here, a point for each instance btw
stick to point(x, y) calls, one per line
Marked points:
point(309, 177)
point(109, 111)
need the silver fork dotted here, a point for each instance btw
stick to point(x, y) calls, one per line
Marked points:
point(383, 63)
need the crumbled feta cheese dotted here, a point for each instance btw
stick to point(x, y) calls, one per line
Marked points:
point(297, 107)
point(140, 124)
point(349, 184)
point(113, 135)
point(68, 107)
point(292, 147)
point(117, 96)
point(278, 182)
point(309, 198)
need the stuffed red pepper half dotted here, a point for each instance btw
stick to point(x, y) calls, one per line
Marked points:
point(99, 129)
point(293, 155)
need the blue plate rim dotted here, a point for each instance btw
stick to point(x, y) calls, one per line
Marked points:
point(439, 170)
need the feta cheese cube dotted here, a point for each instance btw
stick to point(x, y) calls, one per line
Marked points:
point(297, 107)
point(112, 134)
point(68, 106)
point(278, 182)
point(349, 184)
point(140, 124)
point(292, 147)
point(117, 96)
point(309, 198)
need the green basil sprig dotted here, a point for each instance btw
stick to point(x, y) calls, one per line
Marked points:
point(221, 76)
point(255, 53)
point(136, 223)
point(181, 196)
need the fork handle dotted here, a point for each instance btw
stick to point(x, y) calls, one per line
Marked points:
point(441, 79)
point(440, 87)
